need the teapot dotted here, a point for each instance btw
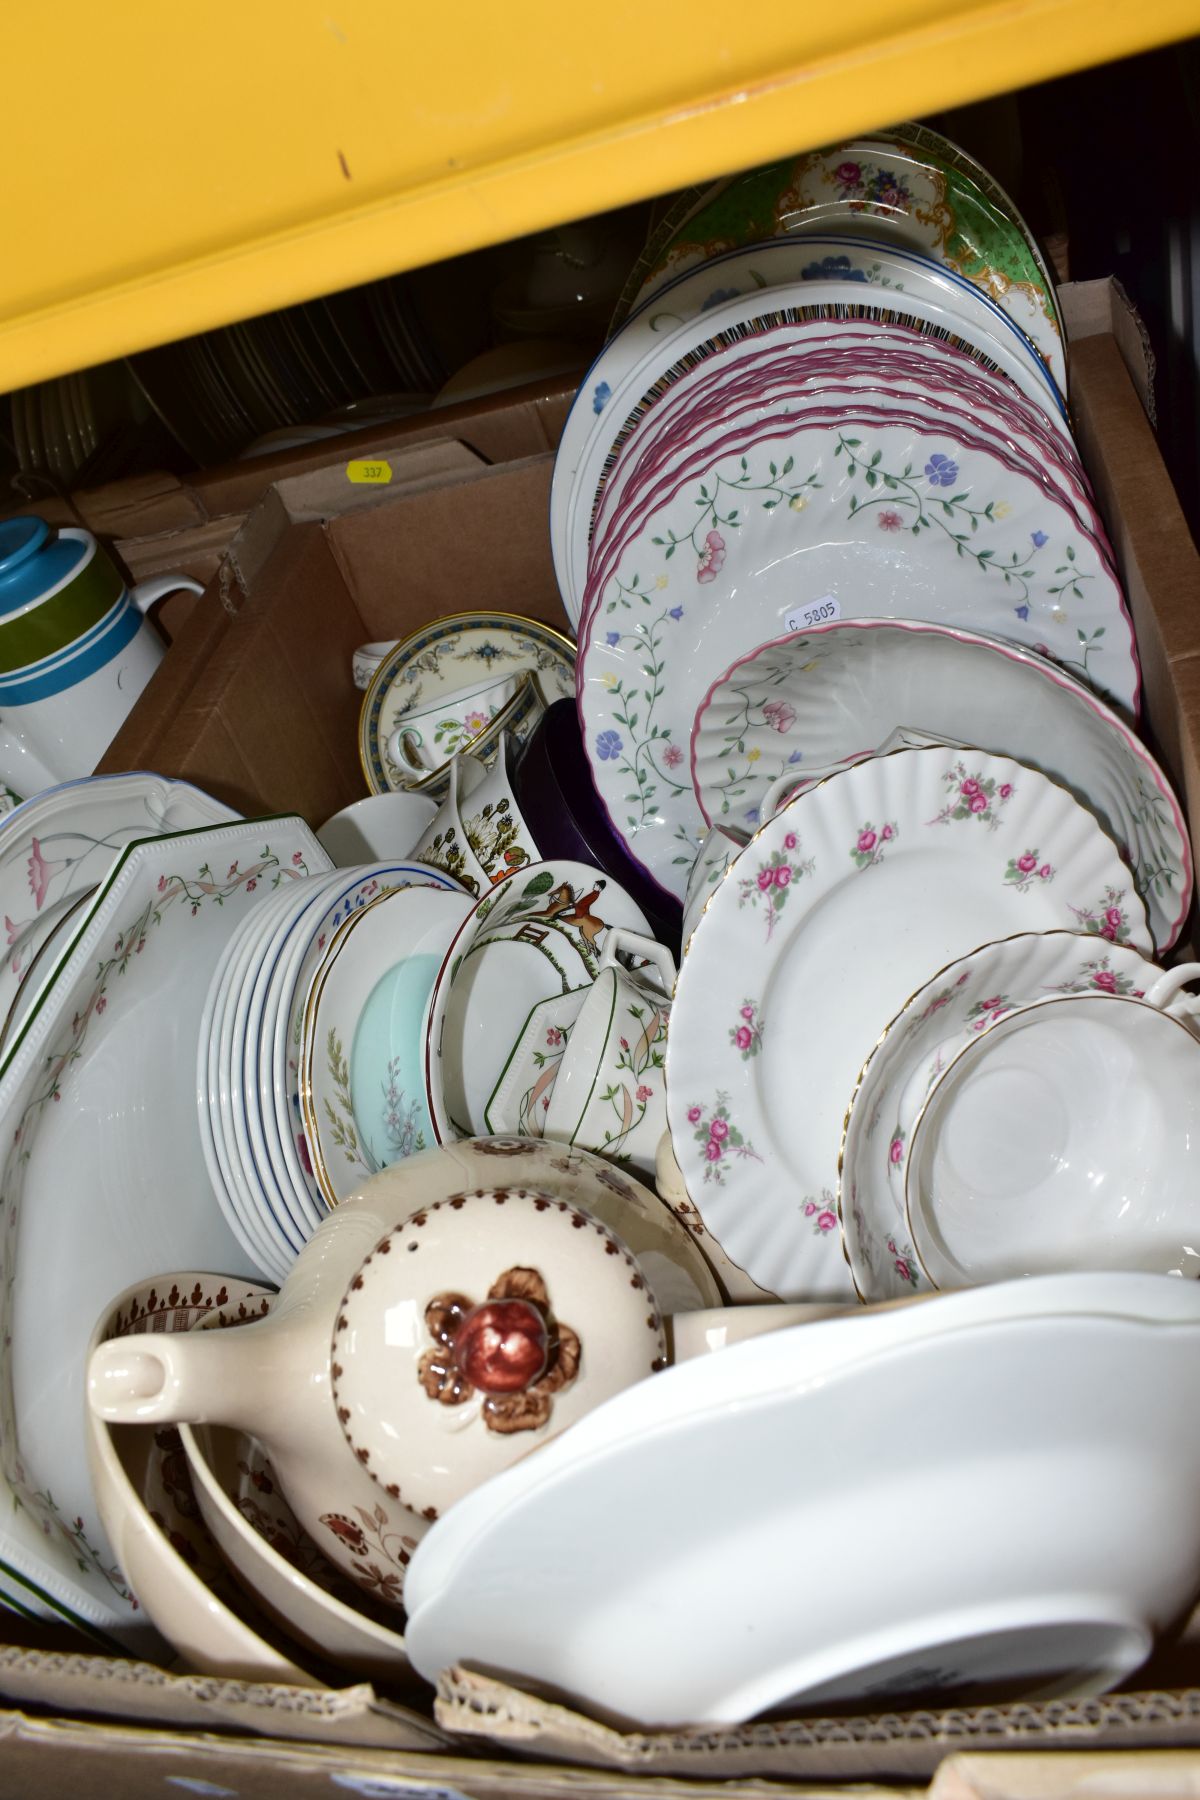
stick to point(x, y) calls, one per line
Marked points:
point(464, 1307)
point(75, 651)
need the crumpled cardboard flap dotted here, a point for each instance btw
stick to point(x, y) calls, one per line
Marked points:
point(114, 1687)
point(878, 1746)
point(105, 1762)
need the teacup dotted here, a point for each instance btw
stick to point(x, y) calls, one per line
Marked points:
point(496, 831)
point(377, 828)
point(75, 651)
point(422, 1351)
point(520, 1100)
point(1065, 1135)
point(444, 842)
point(425, 739)
point(610, 1092)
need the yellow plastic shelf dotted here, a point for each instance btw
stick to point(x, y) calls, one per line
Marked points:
point(171, 168)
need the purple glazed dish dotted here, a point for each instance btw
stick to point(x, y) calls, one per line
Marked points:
point(558, 800)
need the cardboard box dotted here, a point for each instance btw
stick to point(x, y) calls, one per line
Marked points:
point(255, 702)
point(159, 523)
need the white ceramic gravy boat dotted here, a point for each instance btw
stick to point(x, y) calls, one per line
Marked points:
point(414, 1354)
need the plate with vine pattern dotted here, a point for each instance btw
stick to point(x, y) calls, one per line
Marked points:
point(810, 524)
point(837, 691)
point(103, 1178)
point(637, 367)
point(750, 373)
point(833, 914)
point(739, 428)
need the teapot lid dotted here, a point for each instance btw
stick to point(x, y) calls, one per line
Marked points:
point(477, 1330)
point(33, 560)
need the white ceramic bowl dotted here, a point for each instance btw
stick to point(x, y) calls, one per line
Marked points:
point(941, 1496)
point(1065, 1135)
point(169, 1560)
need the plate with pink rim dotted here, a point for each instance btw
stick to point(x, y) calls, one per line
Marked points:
point(632, 368)
point(833, 914)
point(879, 521)
point(969, 993)
point(739, 429)
point(733, 381)
point(882, 382)
point(767, 714)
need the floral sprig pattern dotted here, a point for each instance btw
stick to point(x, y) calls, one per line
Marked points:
point(652, 759)
point(372, 1530)
point(747, 1035)
point(1108, 919)
point(1099, 977)
point(771, 883)
point(1026, 870)
point(986, 1012)
point(913, 507)
point(641, 1057)
point(821, 1213)
point(973, 796)
point(722, 1142)
point(872, 841)
point(705, 537)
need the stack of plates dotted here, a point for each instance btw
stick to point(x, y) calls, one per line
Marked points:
point(269, 1153)
point(774, 442)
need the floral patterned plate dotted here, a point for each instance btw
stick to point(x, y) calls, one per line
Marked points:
point(910, 186)
point(362, 1089)
point(970, 992)
point(866, 407)
point(103, 1177)
point(839, 689)
point(806, 524)
point(64, 841)
point(706, 397)
point(445, 657)
point(898, 275)
point(828, 920)
point(637, 365)
point(539, 933)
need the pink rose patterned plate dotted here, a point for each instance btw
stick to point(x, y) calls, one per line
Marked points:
point(833, 914)
point(969, 994)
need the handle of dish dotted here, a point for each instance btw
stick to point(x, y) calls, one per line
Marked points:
point(157, 587)
point(631, 943)
point(401, 751)
point(166, 1378)
point(366, 660)
point(1165, 992)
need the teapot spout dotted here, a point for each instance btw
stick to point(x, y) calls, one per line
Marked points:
point(177, 1378)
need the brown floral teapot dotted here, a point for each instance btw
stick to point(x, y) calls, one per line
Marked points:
point(465, 1307)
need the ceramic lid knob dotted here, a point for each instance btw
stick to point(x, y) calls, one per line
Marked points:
point(480, 1328)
